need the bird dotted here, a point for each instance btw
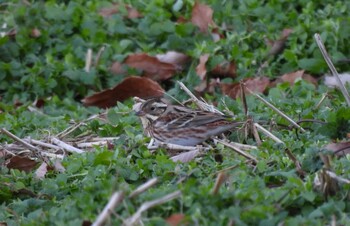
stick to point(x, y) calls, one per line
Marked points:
point(180, 125)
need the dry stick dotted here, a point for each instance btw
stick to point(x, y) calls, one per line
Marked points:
point(147, 205)
point(99, 53)
point(202, 105)
point(246, 155)
point(88, 60)
point(220, 179)
point(115, 200)
point(43, 144)
point(267, 133)
point(297, 164)
point(28, 145)
point(331, 66)
point(336, 177)
point(143, 187)
point(66, 146)
point(244, 100)
point(321, 101)
point(276, 110)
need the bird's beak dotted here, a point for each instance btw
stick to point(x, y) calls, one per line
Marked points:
point(140, 113)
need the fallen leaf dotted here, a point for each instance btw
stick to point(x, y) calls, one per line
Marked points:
point(291, 77)
point(202, 17)
point(277, 46)
point(176, 219)
point(21, 163)
point(108, 12)
point(35, 33)
point(173, 57)
point(201, 70)
point(41, 171)
point(58, 167)
point(258, 84)
point(339, 149)
point(332, 82)
point(224, 70)
point(186, 156)
point(129, 87)
point(152, 67)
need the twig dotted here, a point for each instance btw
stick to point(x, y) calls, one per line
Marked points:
point(43, 144)
point(331, 66)
point(267, 133)
point(147, 205)
point(201, 104)
point(321, 101)
point(99, 53)
point(296, 162)
point(239, 151)
point(220, 179)
point(28, 145)
point(66, 146)
point(143, 187)
point(88, 60)
point(114, 201)
point(336, 177)
point(276, 110)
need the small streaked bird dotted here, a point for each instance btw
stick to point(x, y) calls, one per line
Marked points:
point(175, 124)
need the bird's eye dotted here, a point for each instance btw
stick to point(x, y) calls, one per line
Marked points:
point(153, 108)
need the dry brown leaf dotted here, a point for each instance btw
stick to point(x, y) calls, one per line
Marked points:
point(339, 149)
point(277, 46)
point(21, 163)
point(291, 77)
point(258, 84)
point(202, 17)
point(176, 219)
point(132, 12)
point(152, 67)
point(41, 171)
point(224, 70)
point(201, 70)
point(173, 57)
point(129, 87)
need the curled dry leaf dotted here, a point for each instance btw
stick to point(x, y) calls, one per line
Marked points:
point(186, 156)
point(21, 163)
point(201, 70)
point(129, 87)
point(259, 84)
point(339, 149)
point(277, 46)
point(151, 66)
point(41, 171)
point(291, 77)
point(108, 12)
point(202, 17)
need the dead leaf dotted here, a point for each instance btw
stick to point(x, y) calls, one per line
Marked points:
point(41, 171)
point(129, 87)
point(201, 70)
point(35, 33)
point(58, 167)
point(291, 77)
point(339, 149)
point(175, 58)
point(224, 70)
point(152, 67)
point(277, 46)
point(21, 163)
point(186, 156)
point(202, 17)
point(258, 84)
point(108, 12)
point(176, 219)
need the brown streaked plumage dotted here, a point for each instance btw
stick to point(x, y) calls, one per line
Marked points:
point(180, 125)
